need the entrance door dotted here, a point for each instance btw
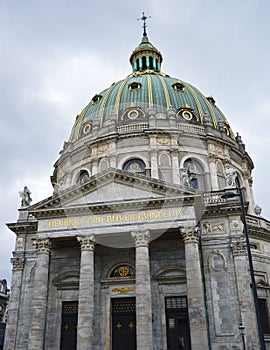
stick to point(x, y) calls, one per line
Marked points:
point(123, 324)
point(178, 336)
point(69, 325)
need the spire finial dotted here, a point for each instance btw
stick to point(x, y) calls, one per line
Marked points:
point(144, 18)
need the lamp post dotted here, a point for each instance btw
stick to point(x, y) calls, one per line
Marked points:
point(239, 194)
point(242, 332)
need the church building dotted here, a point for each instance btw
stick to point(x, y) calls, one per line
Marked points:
point(151, 239)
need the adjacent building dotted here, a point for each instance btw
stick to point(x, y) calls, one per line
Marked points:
point(137, 248)
point(4, 298)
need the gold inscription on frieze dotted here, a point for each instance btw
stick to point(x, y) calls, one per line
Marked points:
point(116, 218)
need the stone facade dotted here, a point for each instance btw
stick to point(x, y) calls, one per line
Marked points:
point(138, 241)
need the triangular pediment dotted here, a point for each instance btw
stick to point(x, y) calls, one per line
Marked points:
point(112, 187)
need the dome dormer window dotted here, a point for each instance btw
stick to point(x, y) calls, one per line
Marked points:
point(187, 114)
point(86, 128)
point(96, 99)
point(211, 100)
point(134, 86)
point(132, 114)
point(178, 86)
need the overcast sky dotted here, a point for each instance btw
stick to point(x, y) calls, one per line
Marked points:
point(56, 54)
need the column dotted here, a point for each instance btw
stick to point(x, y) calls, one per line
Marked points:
point(147, 62)
point(175, 167)
point(154, 164)
point(195, 291)
point(86, 293)
point(143, 291)
point(112, 160)
point(40, 293)
point(213, 173)
point(140, 63)
point(245, 297)
point(14, 302)
point(94, 166)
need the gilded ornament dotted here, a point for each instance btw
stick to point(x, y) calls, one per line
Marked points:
point(123, 271)
point(123, 290)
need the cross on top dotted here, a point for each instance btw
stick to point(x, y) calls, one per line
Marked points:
point(144, 18)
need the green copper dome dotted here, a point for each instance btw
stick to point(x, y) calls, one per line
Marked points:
point(148, 92)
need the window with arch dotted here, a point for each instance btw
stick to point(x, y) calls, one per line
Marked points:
point(123, 271)
point(195, 173)
point(144, 66)
point(151, 65)
point(83, 176)
point(135, 165)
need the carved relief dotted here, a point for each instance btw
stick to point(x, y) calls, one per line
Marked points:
point(235, 225)
point(218, 150)
point(87, 242)
point(19, 242)
point(163, 141)
point(217, 261)
point(102, 149)
point(213, 227)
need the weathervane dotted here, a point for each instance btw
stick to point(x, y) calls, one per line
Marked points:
point(144, 18)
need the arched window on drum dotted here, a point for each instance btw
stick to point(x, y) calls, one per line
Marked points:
point(195, 173)
point(135, 165)
point(83, 177)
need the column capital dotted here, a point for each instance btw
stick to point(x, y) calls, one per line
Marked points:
point(43, 245)
point(87, 242)
point(190, 234)
point(174, 152)
point(141, 238)
point(239, 248)
point(17, 263)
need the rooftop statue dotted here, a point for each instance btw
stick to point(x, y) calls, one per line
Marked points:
point(26, 199)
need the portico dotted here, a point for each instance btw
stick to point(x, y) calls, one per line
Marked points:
point(126, 238)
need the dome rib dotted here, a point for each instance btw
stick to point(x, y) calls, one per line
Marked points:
point(118, 97)
point(150, 90)
point(105, 100)
point(208, 105)
point(166, 92)
point(197, 102)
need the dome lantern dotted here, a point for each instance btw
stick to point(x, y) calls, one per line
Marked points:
point(145, 56)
